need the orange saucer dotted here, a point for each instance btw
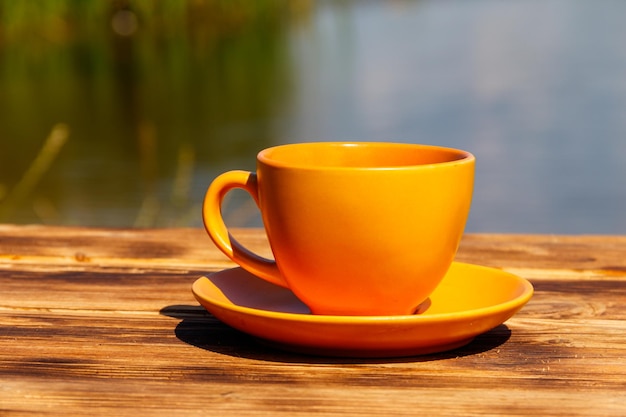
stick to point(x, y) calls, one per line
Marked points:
point(469, 301)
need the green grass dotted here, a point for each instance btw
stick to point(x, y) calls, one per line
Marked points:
point(193, 71)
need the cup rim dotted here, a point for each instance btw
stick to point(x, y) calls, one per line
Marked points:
point(264, 156)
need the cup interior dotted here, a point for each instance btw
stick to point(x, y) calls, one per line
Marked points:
point(368, 155)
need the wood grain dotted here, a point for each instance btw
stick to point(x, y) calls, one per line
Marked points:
point(101, 321)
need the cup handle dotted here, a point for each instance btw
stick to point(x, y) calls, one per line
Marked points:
point(217, 230)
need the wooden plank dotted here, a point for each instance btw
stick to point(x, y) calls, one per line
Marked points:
point(117, 331)
point(540, 356)
point(600, 253)
point(87, 247)
point(163, 247)
point(122, 364)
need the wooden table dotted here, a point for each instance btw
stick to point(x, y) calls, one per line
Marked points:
point(100, 321)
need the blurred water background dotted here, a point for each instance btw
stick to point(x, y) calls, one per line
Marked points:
point(120, 113)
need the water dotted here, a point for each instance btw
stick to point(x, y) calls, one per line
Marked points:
point(535, 89)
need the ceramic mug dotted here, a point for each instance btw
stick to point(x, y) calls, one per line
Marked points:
point(354, 228)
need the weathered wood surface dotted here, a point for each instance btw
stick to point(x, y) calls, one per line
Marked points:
point(96, 321)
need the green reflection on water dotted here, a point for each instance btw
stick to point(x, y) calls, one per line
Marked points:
point(158, 96)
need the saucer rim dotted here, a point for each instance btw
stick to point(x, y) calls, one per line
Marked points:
point(514, 302)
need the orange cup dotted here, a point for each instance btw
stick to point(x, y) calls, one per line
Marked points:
point(355, 228)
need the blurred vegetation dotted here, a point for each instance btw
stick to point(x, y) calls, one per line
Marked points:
point(154, 92)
